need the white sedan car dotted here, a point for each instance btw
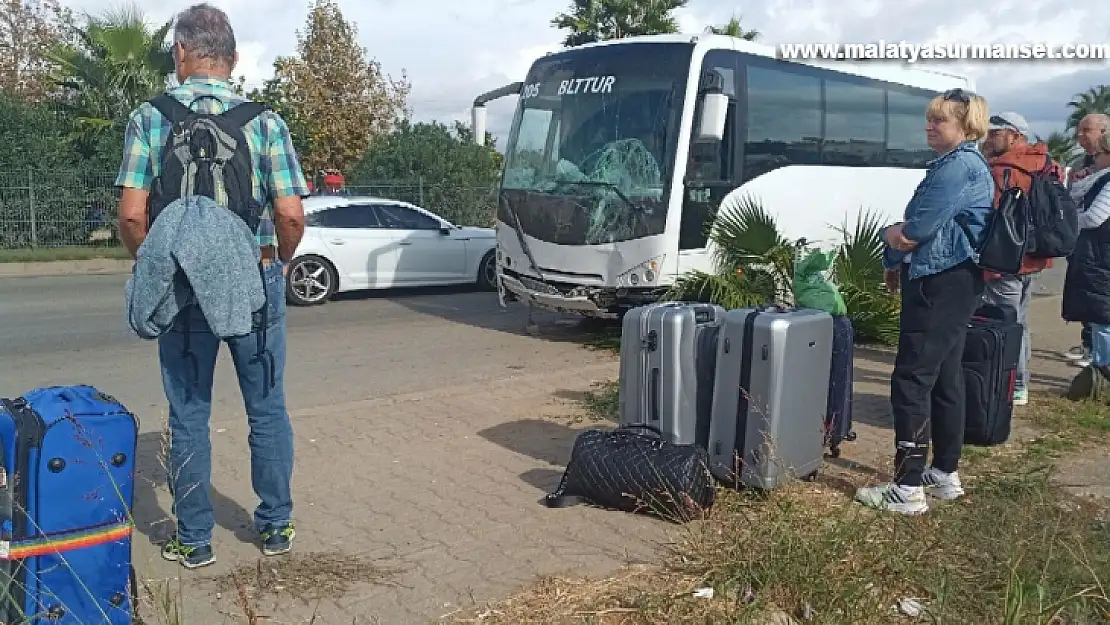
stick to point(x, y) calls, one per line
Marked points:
point(354, 243)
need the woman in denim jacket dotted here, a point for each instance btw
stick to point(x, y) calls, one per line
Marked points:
point(931, 259)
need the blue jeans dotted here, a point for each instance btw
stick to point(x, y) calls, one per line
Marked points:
point(188, 365)
point(1100, 344)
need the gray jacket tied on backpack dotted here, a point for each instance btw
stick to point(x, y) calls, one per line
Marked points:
point(196, 252)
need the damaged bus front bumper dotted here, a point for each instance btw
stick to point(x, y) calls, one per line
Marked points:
point(588, 301)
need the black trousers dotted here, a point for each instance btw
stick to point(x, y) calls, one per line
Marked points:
point(927, 386)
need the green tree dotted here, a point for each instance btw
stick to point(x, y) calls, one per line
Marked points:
point(598, 20)
point(734, 28)
point(1061, 147)
point(347, 97)
point(277, 93)
point(460, 176)
point(1094, 100)
point(118, 62)
point(29, 31)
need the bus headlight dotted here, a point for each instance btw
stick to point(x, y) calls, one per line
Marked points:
point(644, 274)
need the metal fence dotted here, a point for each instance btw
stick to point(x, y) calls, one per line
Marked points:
point(40, 209)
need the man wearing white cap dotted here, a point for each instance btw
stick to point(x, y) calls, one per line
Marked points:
point(1012, 159)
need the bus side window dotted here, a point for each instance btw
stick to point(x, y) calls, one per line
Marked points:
point(905, 144)
point(784, 123)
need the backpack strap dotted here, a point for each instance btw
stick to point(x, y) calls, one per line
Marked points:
point(1095, 189)
point(241, 114)
point(170, 108)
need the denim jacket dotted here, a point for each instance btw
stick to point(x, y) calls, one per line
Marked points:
point(956, 183)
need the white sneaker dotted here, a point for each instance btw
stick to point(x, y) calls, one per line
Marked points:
point(1079, 356)
point(909, 500)
point(942, 485)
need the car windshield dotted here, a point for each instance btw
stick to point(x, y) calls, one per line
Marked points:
point(590, 157)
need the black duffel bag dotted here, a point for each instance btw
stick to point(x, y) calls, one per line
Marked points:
point(632, 468)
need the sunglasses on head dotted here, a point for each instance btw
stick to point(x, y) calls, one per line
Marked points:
point(957, 95)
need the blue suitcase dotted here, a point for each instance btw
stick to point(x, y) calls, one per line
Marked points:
point(66, 490)
point(838, 411)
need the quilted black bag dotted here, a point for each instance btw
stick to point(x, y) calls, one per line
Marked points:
point(633, 469)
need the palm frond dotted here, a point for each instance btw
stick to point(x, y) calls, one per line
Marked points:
point(859, 261)
point(730, 290)
point(743, 233)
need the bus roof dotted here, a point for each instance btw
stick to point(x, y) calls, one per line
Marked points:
point(886, 70)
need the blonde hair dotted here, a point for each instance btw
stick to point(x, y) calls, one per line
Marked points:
point(972, 116)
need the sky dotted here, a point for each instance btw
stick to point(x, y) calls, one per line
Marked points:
point(454, 50)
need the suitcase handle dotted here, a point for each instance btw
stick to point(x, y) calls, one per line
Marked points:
point(642, 426)
point(653, 400)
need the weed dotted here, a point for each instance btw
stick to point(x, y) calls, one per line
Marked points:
point(603, 402)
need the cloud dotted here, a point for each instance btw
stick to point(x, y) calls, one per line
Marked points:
point(452, 51)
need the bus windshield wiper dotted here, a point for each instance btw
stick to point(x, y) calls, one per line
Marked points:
point(610, 185)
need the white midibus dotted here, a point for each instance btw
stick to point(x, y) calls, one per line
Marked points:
point(620, 151)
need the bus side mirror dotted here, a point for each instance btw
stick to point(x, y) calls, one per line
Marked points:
point(714, 112)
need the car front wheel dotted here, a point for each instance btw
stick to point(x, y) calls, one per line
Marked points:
point(487, 272)
point(311, 281)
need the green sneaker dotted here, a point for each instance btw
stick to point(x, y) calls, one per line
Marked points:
point(278, 539)
point(190, 557)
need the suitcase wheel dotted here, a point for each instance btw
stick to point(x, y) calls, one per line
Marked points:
point(810, 478)
point(850, 436)
point(834, 451)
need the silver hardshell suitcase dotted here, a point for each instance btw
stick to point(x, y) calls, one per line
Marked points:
point(667, 357)
point(770, 395)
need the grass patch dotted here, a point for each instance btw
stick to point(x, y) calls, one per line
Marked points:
point(1017, 550)
point(307, 577)
point(48, 254)
point(1081, 420)
point(603, 402)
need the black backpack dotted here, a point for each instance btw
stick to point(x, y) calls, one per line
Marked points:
point(1006, 235)
point(204, 153)
point(1053, 215)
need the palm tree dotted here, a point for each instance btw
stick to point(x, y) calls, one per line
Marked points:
point(598, 20)
point(733, 28)
point(754, 266)
point(1061, 147)
point(1094, 100)
point(119, 63)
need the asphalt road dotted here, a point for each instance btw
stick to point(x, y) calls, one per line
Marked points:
point(68, 330)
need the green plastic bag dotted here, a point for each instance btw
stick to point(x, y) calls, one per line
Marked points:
point(812, 286)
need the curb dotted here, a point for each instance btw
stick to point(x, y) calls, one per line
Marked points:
point(92, 267)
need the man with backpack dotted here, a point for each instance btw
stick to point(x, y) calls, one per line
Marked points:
point(197, 141)
point(1014, 162)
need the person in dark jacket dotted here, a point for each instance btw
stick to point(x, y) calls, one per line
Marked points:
point(1087, 285)
point(1087, 133)
point(930, 256)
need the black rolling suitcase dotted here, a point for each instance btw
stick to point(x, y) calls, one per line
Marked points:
point(990, 363)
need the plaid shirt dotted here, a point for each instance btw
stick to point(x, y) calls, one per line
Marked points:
point(277, 171)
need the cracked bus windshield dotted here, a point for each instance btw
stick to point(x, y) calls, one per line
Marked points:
point(591, 156)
